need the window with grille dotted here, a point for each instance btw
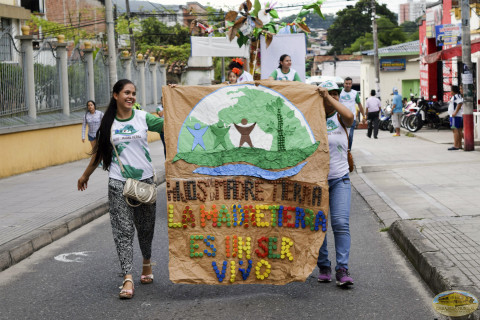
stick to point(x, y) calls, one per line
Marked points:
point(5, 42)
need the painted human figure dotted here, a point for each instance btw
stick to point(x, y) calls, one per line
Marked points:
point(220, 132)
point(245, 132)
point(197, 133)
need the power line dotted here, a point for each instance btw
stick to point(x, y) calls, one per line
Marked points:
point(67, 28)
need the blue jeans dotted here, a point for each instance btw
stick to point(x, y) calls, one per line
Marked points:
point(340, 194)
point(350, 135)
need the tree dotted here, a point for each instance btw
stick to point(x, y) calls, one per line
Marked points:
point(53, 29)
point(155, 32)
point(353, 22)
point(277, 108)
point(410, 29)
point(313, 20)
point(362, 43)
point(389, 33)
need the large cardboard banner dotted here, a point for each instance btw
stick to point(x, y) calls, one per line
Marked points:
point(247, 190)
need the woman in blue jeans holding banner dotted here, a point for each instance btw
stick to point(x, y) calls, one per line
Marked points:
point(338, 118)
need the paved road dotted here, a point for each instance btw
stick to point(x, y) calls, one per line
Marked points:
point(41, 287)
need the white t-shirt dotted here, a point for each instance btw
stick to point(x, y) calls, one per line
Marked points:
point(130, 139)
point(338, 145)
point(349, 99)
point(454, 101)
point(245, 77)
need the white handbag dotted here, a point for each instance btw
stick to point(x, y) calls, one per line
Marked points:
point(142, 192)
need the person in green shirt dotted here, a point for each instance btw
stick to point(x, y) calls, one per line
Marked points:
point(125, 129)
point(284, 70)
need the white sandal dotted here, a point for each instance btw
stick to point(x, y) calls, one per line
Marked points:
point(126, 293)
point(148, 278)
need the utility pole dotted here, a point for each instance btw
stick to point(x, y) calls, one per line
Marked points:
point(375, 49)
point(335, 64)
point(130, 31)
point(112, 55)
point(115, 17)
point(467, 78)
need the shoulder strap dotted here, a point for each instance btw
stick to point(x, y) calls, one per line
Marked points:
point(341, 123)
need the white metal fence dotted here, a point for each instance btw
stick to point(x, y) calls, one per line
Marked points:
point(45, 81)
point(102, 80)
point(12, 97)
point(77, 81)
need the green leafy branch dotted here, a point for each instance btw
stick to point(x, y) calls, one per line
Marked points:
point(248, 24)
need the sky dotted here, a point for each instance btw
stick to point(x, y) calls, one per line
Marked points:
point(328, 7)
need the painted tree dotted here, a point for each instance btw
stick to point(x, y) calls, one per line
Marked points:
point(276, 107)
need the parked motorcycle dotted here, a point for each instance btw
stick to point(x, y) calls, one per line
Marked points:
point(431, 113)
point(410, 110)
point(385, 122)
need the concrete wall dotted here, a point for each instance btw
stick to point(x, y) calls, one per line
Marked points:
point(388, 80)
point(199, 72)
point(36, 149)
point(343, 69)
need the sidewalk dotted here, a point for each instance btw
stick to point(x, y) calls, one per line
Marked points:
point(42, 206)
point(429, 199)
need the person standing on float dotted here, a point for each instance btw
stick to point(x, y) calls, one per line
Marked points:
point(284, 72)
point(243, 76)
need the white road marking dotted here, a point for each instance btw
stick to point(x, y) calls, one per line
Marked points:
point(64, 257)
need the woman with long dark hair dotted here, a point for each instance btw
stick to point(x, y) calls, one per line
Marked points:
point(284, 70)
point(127, 130)
point(93, 118)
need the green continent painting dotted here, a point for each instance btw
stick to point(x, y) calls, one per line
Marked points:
point(245, 123)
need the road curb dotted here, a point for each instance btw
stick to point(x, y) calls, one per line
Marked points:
point(438, 272)
point(24, 246)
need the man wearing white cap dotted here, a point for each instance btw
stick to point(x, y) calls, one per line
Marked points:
point(397, 105)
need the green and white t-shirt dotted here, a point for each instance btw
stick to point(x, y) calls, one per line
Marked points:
point(130, 139)
point(349, 99)
point(338, 145)
point(292, 75)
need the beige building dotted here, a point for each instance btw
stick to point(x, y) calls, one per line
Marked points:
point(399, 67)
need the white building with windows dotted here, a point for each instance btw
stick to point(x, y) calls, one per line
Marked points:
point(411, 11)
